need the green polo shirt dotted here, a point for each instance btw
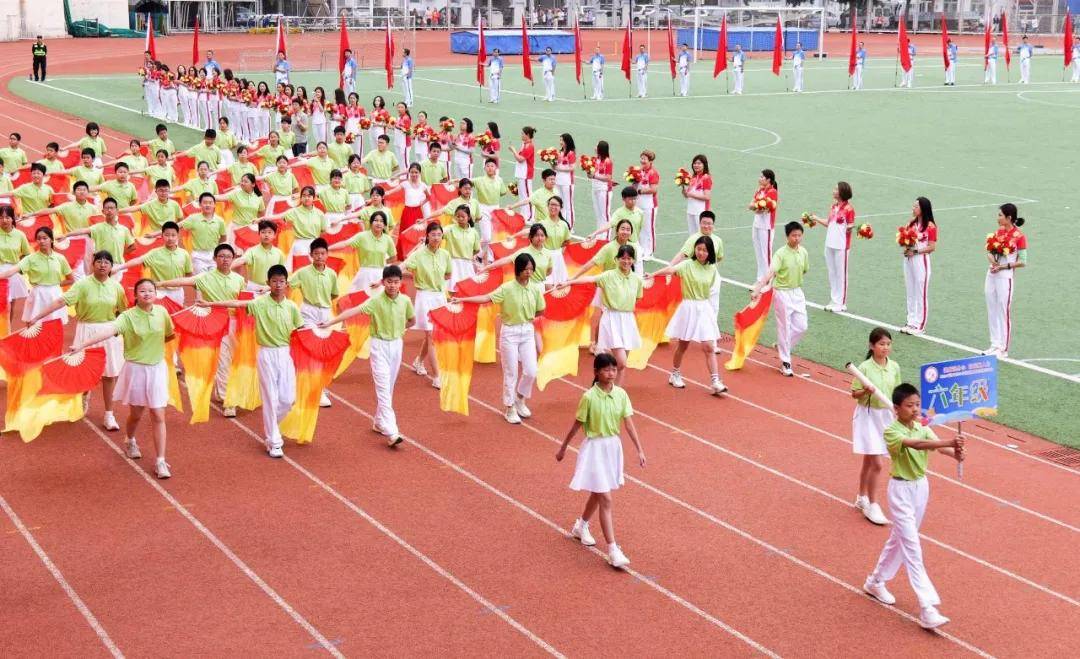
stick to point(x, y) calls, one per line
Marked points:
point(44, 270)
point(205, 234)
point(95, 143)
point(489, 189)
point(112, 238)
point(197, 186)
point(601, 413)
point(164, 263)
point(34, 197)
point(286, 139)
point(134, 163)
point(381, 164)
point(210, 154)
point(238, 169)
point(687, 249)
point(367, 211)
point(124, 193)
point(216, 287)
point(274, 321)
point(158, 213)
point(433, 172)
point(308, 224)
point(144, 334)
point(247, 206)
point(336, 200)
point(281, 185)
point(519, 304)
point(790, 266)
point(356, 182)
point(697, 279)
point(388, 315)
point(318, 288)
point(270, 154)
point(558, 232)
point(339, 152)
point(75, 215)
point(539, 202)
point(451, 208)
point(907, 463)
point(259, 259)
point(13, 246)
point(607, 256)
point(462, 243)
point(430, 268)
point(541, 259)
point(13, 158)
point(88, 175)
point(320, 169)
point(884, 378)
point(155, 145)
point(96, 301)
point(635, 217)
point(156, 172)
point(51, 166)
point(373, 252)
point(620, 292)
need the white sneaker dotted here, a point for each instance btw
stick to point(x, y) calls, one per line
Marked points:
point(162, 469)
point(375, 428)
point(785, 370)
point(675, 380)
point(110, 422)
point(992, 350)
point(830, 307)
point(718, 387)
point(522, 410)
point(905, 329)
point(512, 415)
point(878, 591)
point(616, 557)
point(873, 513)
point(133, 449)
point(394, 440)
point(324, 401)
point(915, 331)
point(436, 382)
point(581, 532)
point(862, 501)
point(274, 451)
point(930, 618)
point(228, 412)
point(418, 366)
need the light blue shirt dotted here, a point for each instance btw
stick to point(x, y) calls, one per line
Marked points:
point(1026, 50)
point(212, 63)
point(797, 57)
point(281, 69)
point(860, 56)
point(737, 59)
point(549, 58)
point(495, 65)
point(642, 61)
point(406, 67)
point(597, 57)
point(911, 50)
point(349, 72)
point(992, 53)
point(953, 52)
point(684, 60)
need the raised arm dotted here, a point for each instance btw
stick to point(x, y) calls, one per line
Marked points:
point(55, 305)
point(180, 282)
point(93, 340)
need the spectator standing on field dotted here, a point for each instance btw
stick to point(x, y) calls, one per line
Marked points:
point(40, 51)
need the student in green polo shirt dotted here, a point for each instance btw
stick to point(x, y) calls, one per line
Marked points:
point(281, 180)
point(356, 182)
point(374, 248)
point(338, 150)
point(391, 313)
point(160, 169)
point(97, 301)
point(259, 258)
point(73, 214)
point(535, 249)
point(318, 285)
point(13, 155)
point(381, 163)
point(786, 271)
point(120, 188)
point(207, 231)
point(520, 301)
point(538, 200)
point(273, 149)
point(133, 158)
point(628, 211)
point(170, 261)
point(110, 235)
point(243, 165)
point(909, 445)
point(334, 197)
point(93, 141)
point(445, 215)
point(35, 195)
point(695, 319)
point(51, 162)
point(46, 271)
point(202, 183)
point(706, 224)
point(247, 201)
point(144, 379)
point(603, 409)
point(462, 240)
point(13, 247)
point(276, 318)
point(433, 169)
point(870, 419)
point(320, 164)
point(207, 150)
point(85, 170)
point(162, 141)
point(489, 189)
point(429, 266)
point(159, 210)
point(607, 259)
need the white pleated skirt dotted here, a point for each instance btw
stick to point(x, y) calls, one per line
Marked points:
point(461, 269)
point(17, 287)
point(868, 430)
point(558, 272)
point(114, 347)
point(599, 465)
point(618, 329)
point(427, 301)
point(694, 320)
point(41, 297)
point(141, 385)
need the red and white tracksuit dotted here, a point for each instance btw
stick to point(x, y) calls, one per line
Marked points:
point(764, 222)
point(917, 277)
point(837, 249)
point(999, 294)
point(601, 192)
point(649, 205)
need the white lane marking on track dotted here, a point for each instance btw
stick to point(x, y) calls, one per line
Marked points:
point(83, 609)
point(266, 588)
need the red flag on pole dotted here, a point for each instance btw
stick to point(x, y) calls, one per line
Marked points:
point(577, 50)
point(1068, 40)
point(195, 44)
point(281, 48)
point(526, 63)
point(148, 44)
point(343, 45)
point(481, 56)
point(905, 53)
point(671, 49)
point(721, 49)
point(1005, 38)
point(627, 46)
point(388, 59)
point(986, 43)
point(853, 53)
point(778, 48)
point(944, 41)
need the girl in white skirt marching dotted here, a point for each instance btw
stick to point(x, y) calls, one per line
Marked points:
point(599, 469)
point(463, 242)
point(870, 419)
point(48, 272)
point(143, 381)
point(695, 319)
point(429, 265)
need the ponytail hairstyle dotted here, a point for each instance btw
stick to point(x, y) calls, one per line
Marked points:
point(1009, 211)
point(877, 334)
point(771, 175)
point(603, 360)
point(926, 212)
point(249, 177)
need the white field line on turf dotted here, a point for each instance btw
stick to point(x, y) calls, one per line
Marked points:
point(83, 609)
point(745, 535)
point(223, 548)
point(401, 542)
point(555, 527)
point(813, 488)
point(1022, 97)
point(698, 143)
point(925, 337)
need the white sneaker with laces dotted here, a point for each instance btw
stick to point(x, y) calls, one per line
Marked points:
point(581, 532)
point(878, 591)
point(133, 449)
point(512, 415)
point(675, 380)
point(418, 366)
point(931, 618)
point(718, 387)
point(830, 307)
point(616, 557)
point(324, 401)
point(274, 451)
point(436, 382)
point(228, 412)
point(873, 513)
point(785, 370)
point(162, 469)
point(862, 501)
point(110, 422)
point(522, 409)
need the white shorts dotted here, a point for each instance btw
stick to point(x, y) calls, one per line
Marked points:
point(141, 385)
point(366, 277)
point(461, 269)
point(558, 272)
point(618, 329)
point(313, 315)
point(427, 301)
point(599, 465)
point(694, 320)
point(114, 347)
point(17, 287)
point(868, 430)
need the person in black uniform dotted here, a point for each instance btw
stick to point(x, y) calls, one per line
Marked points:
point(40, 50)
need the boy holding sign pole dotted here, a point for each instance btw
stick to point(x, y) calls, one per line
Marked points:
point(909, 445)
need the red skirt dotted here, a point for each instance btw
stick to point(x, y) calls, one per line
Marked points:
point(408, 237)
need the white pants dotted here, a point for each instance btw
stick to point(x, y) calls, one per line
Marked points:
point(1025, 71)
point(313, 315)
point(517, 346)
point(225, 355)
point(797, 72)
point(1076, 71)
point(566, 191)
point(856, 79)
point(203, 106)
point(601, 202)
point(277, 387)
point(150, 93)
point(917, 285)
point(549, 86)
point(950, 74)
point(598, 86)
point(463, 165)
point(186, 115)
point(318, 132)
point(494, 88)
point(836, 265)
point(999, 292)
point(762, 249)
point(385, 363)
point(692, 222)
point(524, 190)
point(991, 72)
point(907, 505)
point(202, 261)
point(642, 84)
point(647, 239)
point(684, 83)
point(790, 320)
point(739, 76)
point(169, 101)
point(401, 149)
point(350, 87)
point(908, 79)
point(407, 90)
